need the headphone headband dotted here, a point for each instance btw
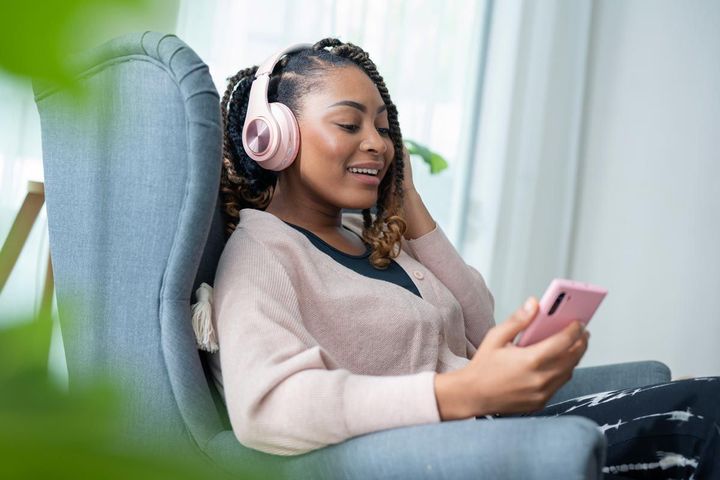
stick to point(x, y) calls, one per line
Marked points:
point(268, 65)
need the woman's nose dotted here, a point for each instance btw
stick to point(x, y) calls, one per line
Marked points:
point(374, 143)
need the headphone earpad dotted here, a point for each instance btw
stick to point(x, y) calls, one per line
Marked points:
point(288, 138)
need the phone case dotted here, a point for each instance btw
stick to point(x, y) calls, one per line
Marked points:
point(580, 301)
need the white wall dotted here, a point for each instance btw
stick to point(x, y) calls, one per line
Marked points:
point(647, 224)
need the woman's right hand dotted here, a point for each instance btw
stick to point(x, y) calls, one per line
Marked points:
point(503, 378)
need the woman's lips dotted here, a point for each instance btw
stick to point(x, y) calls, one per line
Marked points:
point(366, 179)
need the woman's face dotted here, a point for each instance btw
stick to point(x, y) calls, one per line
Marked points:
point(343, 125)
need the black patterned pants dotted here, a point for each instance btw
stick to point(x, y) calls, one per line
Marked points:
point(668, 430)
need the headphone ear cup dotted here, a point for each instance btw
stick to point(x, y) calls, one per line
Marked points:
point(288, 138)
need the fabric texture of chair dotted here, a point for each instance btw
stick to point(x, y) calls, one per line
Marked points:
point(131, 180)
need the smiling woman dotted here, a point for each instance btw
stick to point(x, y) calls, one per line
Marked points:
point(295, 264)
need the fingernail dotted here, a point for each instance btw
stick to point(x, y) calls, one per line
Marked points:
point(528, 307)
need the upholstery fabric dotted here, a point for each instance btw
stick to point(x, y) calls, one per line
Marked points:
point(132, 169)
point(612, 377)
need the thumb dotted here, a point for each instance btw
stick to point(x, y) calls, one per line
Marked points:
point(515, 323)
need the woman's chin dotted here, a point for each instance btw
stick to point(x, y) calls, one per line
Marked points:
point(361, 204)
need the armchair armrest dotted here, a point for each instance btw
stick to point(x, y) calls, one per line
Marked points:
point(612, 377)
point(527, 448)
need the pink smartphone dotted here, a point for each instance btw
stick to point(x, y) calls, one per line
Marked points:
point(563, 302)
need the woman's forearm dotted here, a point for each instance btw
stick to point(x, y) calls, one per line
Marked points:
point(418, 219)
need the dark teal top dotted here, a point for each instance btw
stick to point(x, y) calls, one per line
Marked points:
point(394, 273)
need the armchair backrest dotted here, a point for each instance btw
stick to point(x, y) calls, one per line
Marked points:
point(131, 182)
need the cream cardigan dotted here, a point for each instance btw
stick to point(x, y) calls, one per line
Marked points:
point(313, 353)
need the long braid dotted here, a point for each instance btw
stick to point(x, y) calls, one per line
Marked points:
point(232, 84)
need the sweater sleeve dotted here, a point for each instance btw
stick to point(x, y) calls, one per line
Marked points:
point(281, 396)
point(438, 254)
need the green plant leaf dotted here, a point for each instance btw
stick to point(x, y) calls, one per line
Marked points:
point(436, 162)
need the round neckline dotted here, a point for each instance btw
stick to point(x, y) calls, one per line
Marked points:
point(349, 255)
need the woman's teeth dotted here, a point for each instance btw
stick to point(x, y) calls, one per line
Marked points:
point(366, 171)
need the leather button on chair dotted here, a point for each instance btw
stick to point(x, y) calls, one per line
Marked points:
point(418, 274)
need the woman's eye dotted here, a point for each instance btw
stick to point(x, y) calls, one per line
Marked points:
point(349, 127)
point(385, 132)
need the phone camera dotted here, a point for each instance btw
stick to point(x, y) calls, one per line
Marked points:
point(555, 306)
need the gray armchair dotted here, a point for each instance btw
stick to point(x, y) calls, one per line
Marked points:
point(131, 180)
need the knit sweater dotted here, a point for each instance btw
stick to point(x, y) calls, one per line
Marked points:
point(313, 353)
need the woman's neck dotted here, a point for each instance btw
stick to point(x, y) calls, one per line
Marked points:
point(305, 213)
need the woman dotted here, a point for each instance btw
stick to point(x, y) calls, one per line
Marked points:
point(332, 325)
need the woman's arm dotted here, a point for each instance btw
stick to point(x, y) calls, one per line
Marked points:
point(418, 219)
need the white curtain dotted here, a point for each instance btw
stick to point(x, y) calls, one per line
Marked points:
point(520, 221)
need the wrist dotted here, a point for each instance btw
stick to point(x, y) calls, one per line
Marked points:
point(409, 190)
point(412, 198)
point(451, 396)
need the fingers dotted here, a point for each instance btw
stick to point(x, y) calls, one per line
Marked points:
point(559, 343)
point(565, 366)
point(580, 345)
point(408, 184)
point(559, 381)
point(504, 333)
point(569, 358)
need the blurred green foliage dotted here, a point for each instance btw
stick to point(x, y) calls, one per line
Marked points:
point(36, 36)
point(48, 432)
point(434, 160)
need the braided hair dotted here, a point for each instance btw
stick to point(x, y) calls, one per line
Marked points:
point(245, 184)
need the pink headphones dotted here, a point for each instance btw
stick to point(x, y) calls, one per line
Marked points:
point(270, 134)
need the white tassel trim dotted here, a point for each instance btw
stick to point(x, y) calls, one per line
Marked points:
point(202, 319)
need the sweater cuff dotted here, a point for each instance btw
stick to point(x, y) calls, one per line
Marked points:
point(434, 230)
point(380, 403)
